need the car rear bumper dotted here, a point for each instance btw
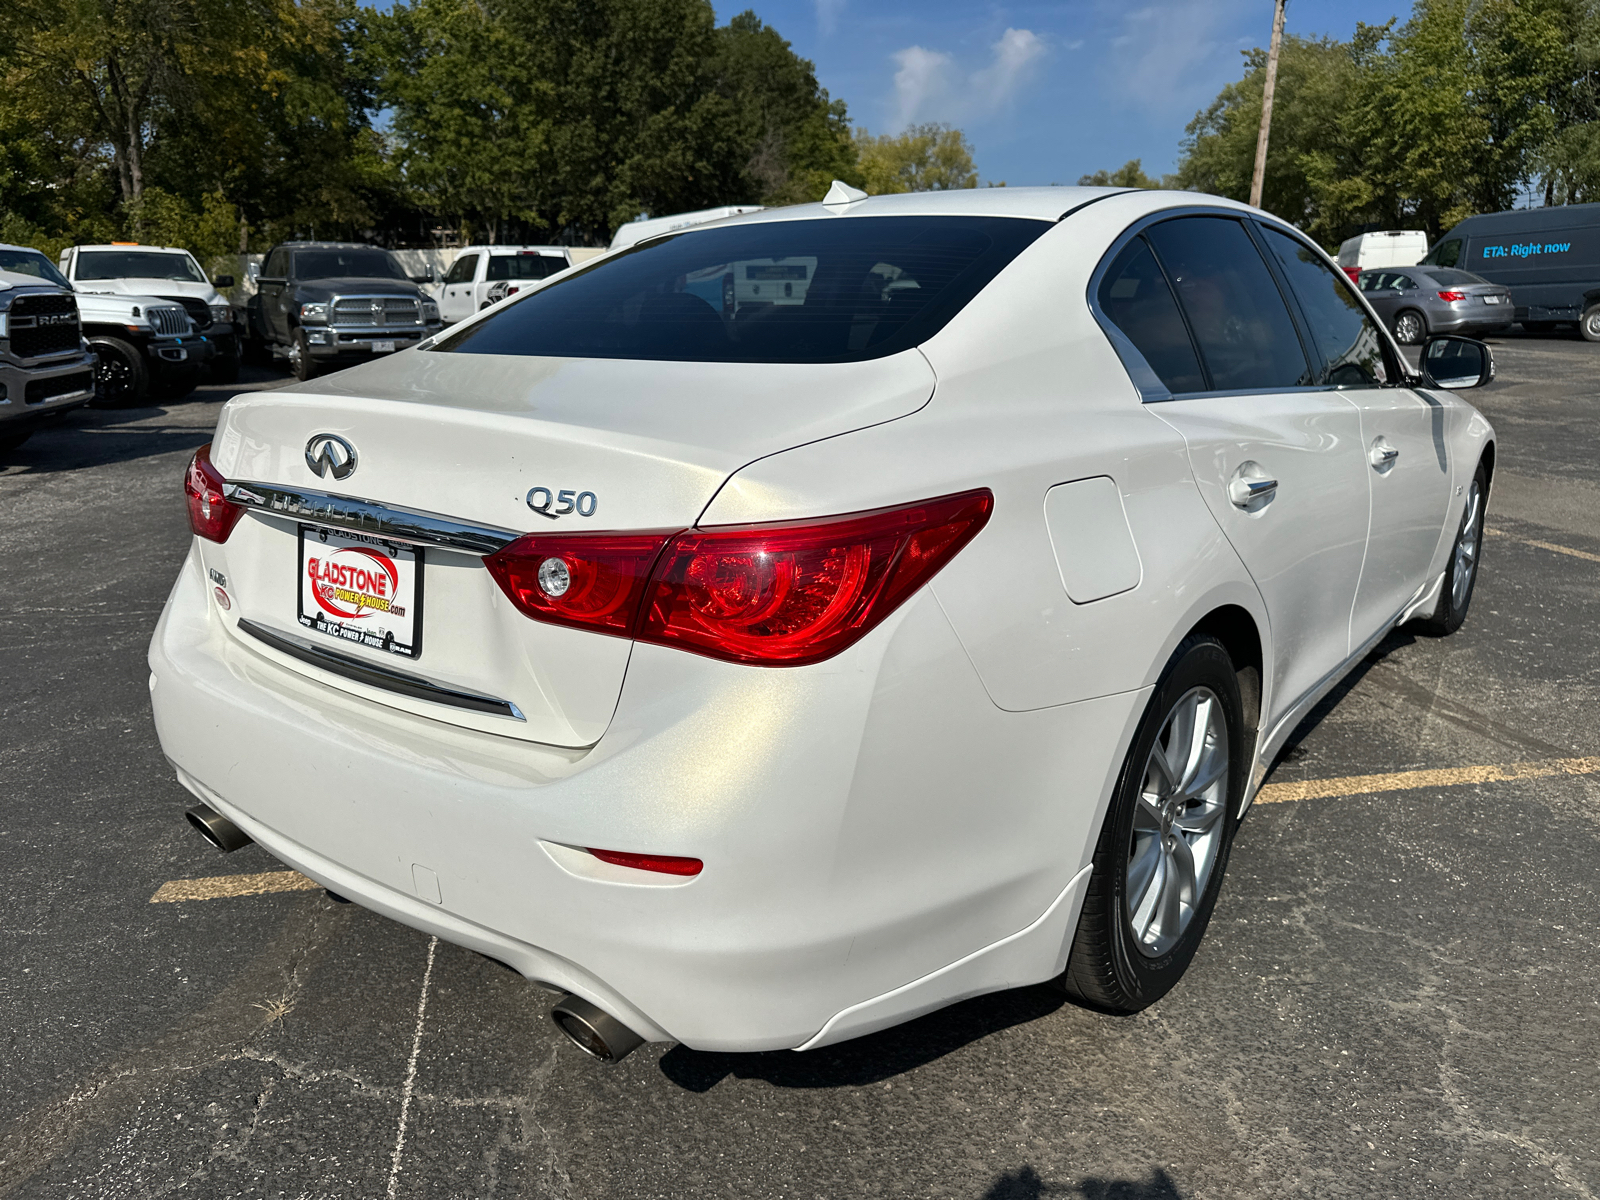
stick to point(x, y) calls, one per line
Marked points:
point(1471, 325)
point(879, 839)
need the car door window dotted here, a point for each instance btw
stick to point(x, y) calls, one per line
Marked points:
point(276, 265)
point(1348, 340)
point(1246, 338)
point(461, 270)
point(1136, 298)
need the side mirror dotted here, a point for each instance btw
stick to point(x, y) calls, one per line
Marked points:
point(222, 281)
point(253, 270)
point(1455, 363)
point(428, 278)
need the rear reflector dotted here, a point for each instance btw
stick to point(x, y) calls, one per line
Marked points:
point(211, 514)
point(781, 594)
point(664, 864)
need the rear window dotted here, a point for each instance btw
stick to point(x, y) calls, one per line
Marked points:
point(1449, 278)
point(524, 266)
point(355, 263)
point(137, 264)
point(834, 290)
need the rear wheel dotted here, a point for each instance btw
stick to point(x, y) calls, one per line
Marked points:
point(1410, 328)
point(1462, 573)
point(121, 375)
point(1590, 325)
point(1159, 862)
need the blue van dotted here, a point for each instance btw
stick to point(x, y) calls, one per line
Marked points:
point(1548, 257)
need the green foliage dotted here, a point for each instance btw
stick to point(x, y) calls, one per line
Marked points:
point(1129, 175)
point(925, 158)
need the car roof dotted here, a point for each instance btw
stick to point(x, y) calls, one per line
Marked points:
point(329, 246)
point(133, 246)
point(509, 250)
point(1035, 203)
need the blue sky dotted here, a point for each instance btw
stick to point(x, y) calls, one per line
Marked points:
point(1045, 91)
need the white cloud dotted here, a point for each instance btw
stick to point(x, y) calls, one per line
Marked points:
point(828, 13)
point(930, 86)
point(1166, 56)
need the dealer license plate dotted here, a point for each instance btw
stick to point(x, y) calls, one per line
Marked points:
point(361, 589)
point(383, 347)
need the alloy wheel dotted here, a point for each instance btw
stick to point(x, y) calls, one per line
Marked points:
point(113, 376)
point(1466, 552)
point(1177, 825)
point(1408, 328)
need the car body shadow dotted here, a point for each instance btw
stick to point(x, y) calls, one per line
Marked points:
point(1026, 1184)
point(873, 1058)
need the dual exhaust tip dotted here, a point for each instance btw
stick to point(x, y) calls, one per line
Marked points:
point(588, 1026)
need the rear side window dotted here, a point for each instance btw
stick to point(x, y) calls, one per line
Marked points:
point(843, 289)
point(1135, 296)
point(1445, 254)
point(1350, 345)
point(1246, 337)
point(523, 266)
point(461, 270)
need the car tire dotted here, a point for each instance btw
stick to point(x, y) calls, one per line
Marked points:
point(1589, 326)
point(1410, 327)
point(300, 360)
point(121, 376)
point(1161, 854)
point(1461, 574)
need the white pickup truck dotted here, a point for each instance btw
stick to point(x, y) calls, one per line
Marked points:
point(168, 273)
point(484, 275)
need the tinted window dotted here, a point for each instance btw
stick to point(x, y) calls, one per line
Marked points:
point(1246, 337)
point(837, 290)
point(1445, 254)
point(524, 266)
point(31, 262)
point(1349, 342)
point(137, 264)
point(277, 265)
point(1448, 278)
point(461, 270)
point(1135, 295)
point(353, 263)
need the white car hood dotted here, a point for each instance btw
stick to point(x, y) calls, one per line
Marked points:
point(150, 288)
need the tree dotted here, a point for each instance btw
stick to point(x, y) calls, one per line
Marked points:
point(925, 158)
point(1129, 175)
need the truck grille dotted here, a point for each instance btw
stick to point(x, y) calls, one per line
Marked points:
point(168, 320)
point(44, 323)
point(199, 311)
point(369, 311)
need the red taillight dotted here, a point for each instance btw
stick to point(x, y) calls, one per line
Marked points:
point(592, 580)
point(665, 864)
point(798, 592)
point(211, 514)
point(782, 594)
point(1452, 295)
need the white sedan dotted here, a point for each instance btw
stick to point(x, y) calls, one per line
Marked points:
point(765, 668)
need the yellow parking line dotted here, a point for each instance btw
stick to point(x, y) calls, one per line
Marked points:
point(1583, 554)
point(1404, 781)
point(219, 886)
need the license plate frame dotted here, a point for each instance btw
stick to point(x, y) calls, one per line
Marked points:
point(374, 569)
point(386, 347)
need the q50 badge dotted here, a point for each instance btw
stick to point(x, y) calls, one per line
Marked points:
point(553, 504)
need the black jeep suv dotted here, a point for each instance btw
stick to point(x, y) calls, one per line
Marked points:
point(325, 305)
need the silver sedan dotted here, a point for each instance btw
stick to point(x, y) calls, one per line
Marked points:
point(1418, 301)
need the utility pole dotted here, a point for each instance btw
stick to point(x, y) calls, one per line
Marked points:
point(1259, 177)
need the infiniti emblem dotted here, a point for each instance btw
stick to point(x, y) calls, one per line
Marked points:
point(327, 453)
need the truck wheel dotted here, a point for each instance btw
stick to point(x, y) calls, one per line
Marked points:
point(300, 360)
point(120, 374)
point(1590, 325)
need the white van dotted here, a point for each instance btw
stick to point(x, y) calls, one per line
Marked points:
point(483, 275)
point(1387, 248)
point(646, 227)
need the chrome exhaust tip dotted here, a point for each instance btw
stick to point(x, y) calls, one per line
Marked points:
point(216, 828)
point(593, 1030)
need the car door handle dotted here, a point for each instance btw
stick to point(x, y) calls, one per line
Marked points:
point(1382, 454)
point(1245, 491)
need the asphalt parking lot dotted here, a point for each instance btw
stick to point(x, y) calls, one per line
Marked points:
point(1399, 995)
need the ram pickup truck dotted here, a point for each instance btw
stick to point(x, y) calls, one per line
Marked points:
point(169, 273)
point(46, 368)
point(324, 305)
point(144, 346)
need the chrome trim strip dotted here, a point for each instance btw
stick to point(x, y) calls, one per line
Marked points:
point(379, 677)
point(408, 525)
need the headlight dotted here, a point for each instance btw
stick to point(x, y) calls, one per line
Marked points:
point(2, 326)
point(221, 312)
point(317, 313)
point(430, 311)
